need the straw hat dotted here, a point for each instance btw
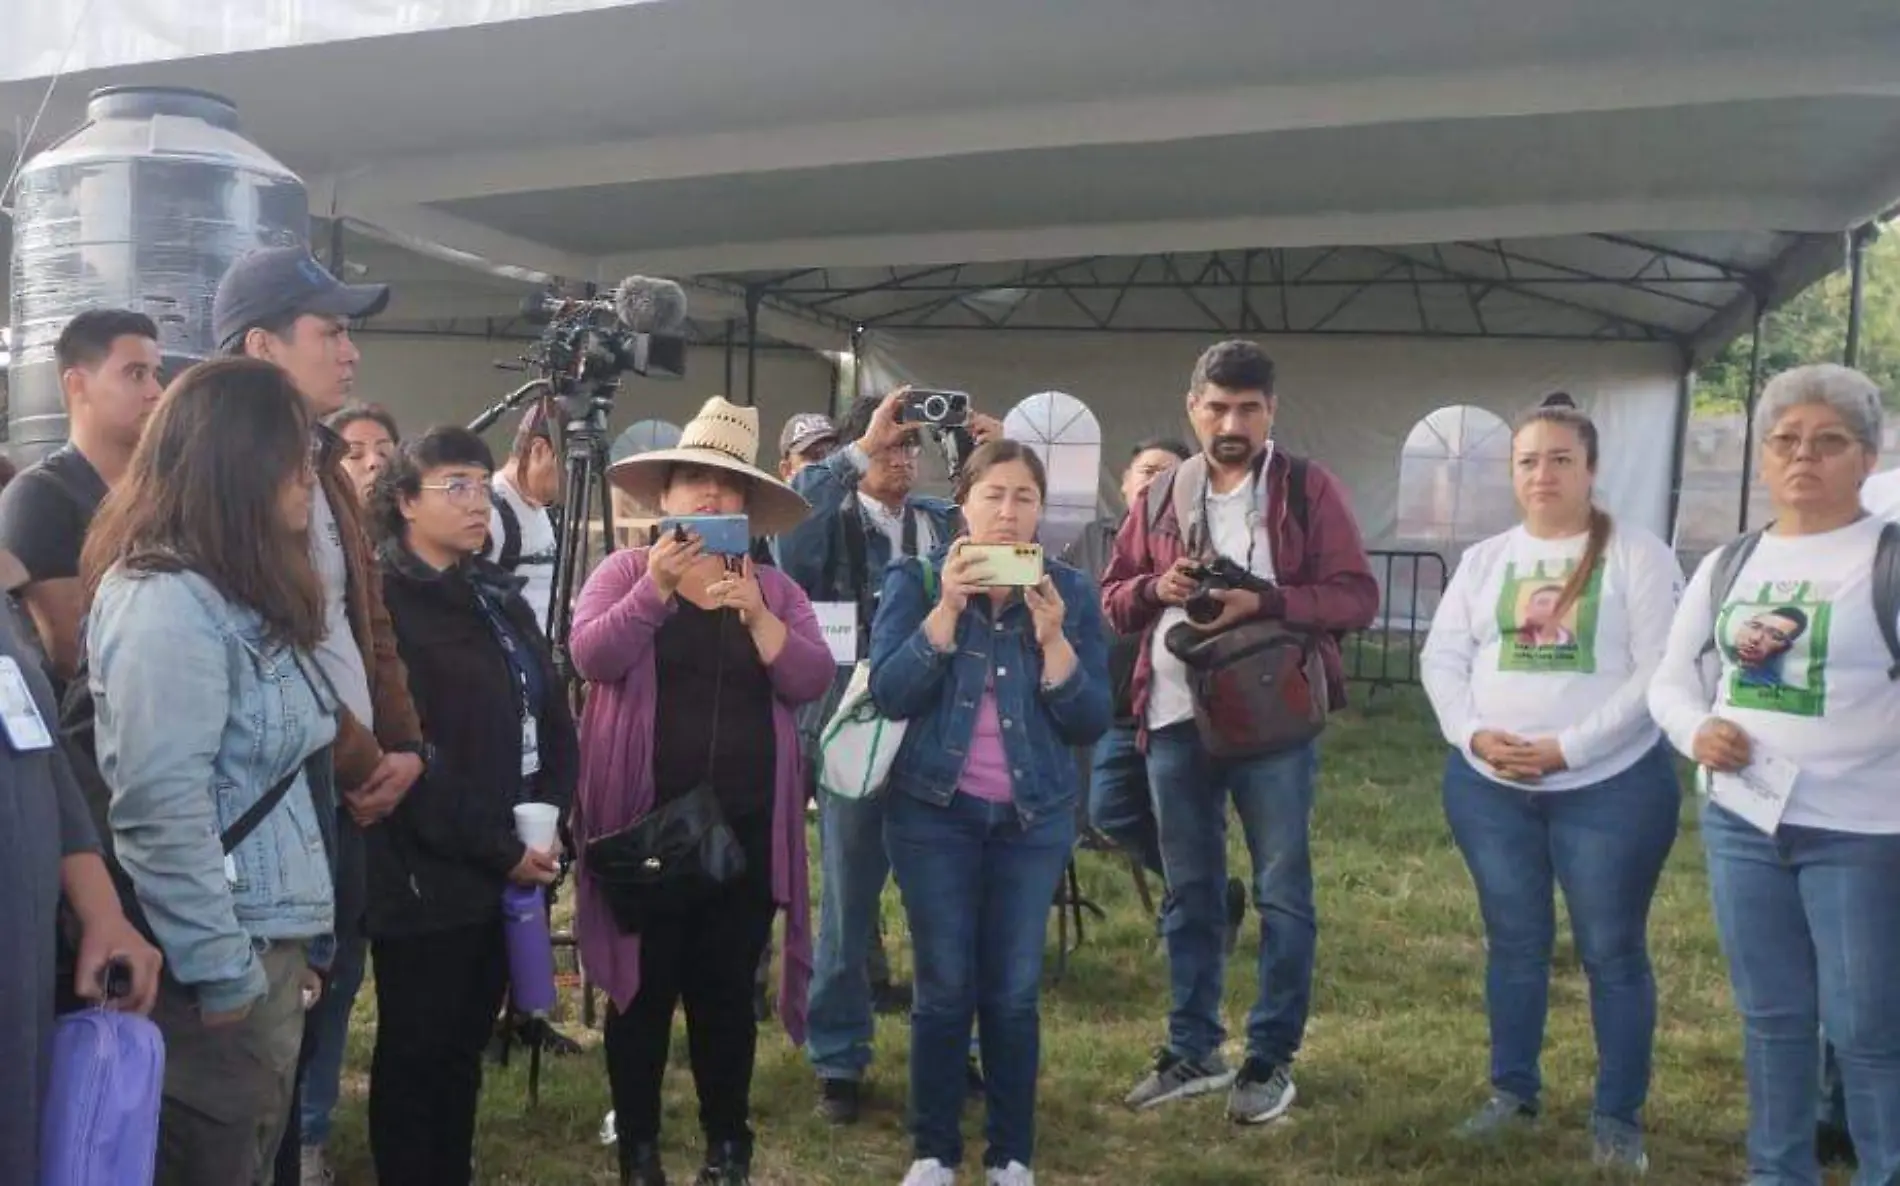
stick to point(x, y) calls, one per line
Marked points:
point(724, 436)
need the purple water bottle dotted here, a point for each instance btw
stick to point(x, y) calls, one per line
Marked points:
point(524, 919)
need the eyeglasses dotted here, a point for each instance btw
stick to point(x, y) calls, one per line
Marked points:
point(463, 492)
point(1786, 445)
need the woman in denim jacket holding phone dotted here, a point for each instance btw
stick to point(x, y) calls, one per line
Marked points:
point(998, 686)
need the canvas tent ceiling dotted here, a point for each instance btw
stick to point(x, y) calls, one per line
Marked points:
point(1636, 178)
point(590, 139)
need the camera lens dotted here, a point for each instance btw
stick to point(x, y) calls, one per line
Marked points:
point(1202, 608)
point(936, 407)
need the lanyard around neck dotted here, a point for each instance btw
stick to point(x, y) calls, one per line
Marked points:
point(1253, 507)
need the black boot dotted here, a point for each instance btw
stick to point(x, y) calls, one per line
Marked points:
point(640, 1165)
point(728, 1163)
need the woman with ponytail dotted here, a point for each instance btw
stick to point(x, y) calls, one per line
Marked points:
point(1538, 667)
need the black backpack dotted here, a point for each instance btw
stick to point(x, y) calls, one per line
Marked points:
point(1734, 555)
point(1161, 492)
point(509, 557)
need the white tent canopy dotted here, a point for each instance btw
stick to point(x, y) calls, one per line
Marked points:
point(1437, 203)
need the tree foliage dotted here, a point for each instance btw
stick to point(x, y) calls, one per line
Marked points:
point(1813, 328)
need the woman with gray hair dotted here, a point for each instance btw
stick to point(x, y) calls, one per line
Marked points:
point(1779, 681)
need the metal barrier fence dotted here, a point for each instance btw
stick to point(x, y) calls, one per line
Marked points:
point(1386, 653)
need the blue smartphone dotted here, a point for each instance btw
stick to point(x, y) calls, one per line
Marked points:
point(722, 535)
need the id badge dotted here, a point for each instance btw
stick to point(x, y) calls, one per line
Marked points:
point(838, 620)
point(25, 728)
point(530, 746)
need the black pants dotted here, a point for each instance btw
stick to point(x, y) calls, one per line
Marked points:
point(436, 997)
point(706, 958)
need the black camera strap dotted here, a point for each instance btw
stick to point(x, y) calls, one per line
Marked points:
point(1256, 516)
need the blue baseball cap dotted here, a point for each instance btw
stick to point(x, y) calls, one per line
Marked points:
point(274, 284)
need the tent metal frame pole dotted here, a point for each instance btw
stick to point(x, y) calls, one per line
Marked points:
point(752, 298)
point(336, 248)
point(1685, 396)
point(1748, 418)
point(857, 370)
point(732, 333)
point(1857, 242)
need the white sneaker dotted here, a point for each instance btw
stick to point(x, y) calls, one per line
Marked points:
point(1013, 1174)
point(314, 1166)
point(930, 1172)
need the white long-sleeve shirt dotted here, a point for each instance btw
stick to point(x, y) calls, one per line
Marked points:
point(1801, 668)
point(1494, 662)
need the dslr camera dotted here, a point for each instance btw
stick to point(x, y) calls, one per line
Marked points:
point(1218, 573)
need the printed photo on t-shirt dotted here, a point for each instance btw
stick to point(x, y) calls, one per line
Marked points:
point(1775, 640)
point(1535, 636)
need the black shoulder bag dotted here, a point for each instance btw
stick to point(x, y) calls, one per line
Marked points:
point(676, 856)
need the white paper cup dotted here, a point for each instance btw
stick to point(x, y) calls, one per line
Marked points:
point(535, 825)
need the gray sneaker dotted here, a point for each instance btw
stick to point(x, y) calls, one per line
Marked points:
point(1175, 1078)
point(1617, 1146)
point(1500, 1113)
point(1262, 1092)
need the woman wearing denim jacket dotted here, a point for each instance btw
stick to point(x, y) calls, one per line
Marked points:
point(999, 686)
point(204, 611)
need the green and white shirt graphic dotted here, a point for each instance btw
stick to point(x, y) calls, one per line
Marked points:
point(1532, 635)
point(1774, 635)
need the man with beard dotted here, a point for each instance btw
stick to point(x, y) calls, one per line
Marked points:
point(108, 369)
point(1287, 521)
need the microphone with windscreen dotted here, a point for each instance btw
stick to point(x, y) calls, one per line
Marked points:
point(649, 306)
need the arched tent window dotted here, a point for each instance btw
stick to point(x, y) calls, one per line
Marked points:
point(1066, 435)
point(1455, 478)
point(644, 436)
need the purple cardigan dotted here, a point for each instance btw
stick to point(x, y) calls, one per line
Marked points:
point(615, 621)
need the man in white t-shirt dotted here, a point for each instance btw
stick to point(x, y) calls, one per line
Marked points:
point(521, 535)
point(1289, 524)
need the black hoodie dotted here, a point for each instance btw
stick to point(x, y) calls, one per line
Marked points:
point(442, 859)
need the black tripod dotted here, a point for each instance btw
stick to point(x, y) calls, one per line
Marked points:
point(585, 404)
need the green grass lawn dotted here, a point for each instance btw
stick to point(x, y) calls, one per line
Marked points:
point(1394, 1057)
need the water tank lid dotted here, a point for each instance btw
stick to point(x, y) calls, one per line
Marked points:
point(144, 102)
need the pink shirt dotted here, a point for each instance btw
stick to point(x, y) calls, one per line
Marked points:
point(986, 769)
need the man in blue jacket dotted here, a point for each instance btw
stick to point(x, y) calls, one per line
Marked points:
point(865, 513)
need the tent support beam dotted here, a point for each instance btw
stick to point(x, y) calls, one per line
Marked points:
point(752, 298)
point(1748, 419)
point(1857, 243)
point(731, 333)
point(1685, 398)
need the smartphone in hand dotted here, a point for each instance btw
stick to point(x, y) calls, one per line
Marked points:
point(720, 535)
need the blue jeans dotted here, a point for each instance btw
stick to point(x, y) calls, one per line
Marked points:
point(977, 889)
point(1120, 805)
point(1605, 844)
point(329, 1030)
point(1810, 922)
point(854, 867)
point(1274, 799)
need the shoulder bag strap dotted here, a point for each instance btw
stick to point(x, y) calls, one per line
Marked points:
point(1729, 563)
point(242, 827)
point(1887, 593)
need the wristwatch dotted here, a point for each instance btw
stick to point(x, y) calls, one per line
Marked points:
point(421, 749)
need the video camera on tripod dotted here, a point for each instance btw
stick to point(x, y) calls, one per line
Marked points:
point(591, 338)
point(589, 343)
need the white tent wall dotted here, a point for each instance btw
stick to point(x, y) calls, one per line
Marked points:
point(1347, 402)
point(443, 380)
